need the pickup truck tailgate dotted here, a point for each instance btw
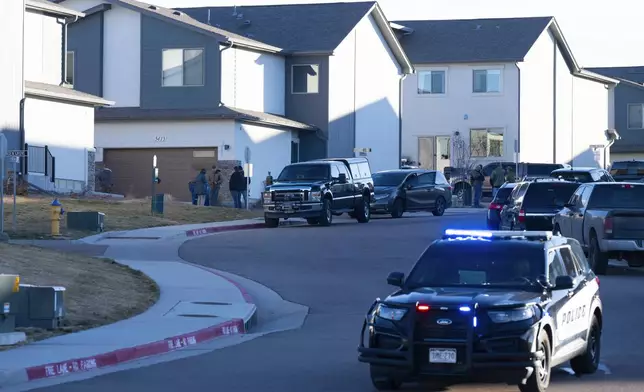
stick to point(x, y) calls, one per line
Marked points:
point(627, 224)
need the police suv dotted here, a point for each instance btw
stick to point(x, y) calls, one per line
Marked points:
point(504, 305)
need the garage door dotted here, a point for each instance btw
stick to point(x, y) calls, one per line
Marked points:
point(132, 169)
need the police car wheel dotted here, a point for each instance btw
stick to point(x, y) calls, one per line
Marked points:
point(588, 362)
point(383, 382)
point(540, 377)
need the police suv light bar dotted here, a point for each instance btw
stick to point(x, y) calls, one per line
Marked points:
point(456, 233)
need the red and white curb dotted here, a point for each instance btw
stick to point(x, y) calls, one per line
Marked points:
point(244, 226)
point(56, 369)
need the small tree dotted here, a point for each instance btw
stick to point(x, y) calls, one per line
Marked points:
point(461, 153)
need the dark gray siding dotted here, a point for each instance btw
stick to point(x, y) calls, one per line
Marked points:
point(85, 39)
point(310, 108)
point(157, 35)
point(632, 140)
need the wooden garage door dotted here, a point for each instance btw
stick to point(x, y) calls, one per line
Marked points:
point(132, 169)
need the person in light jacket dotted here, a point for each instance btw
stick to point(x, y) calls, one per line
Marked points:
point(214, 181)
point(200, 187)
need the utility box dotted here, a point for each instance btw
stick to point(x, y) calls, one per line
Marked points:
point(157, 203)
point(41, 307)
point(86, 221)
point(9, 288)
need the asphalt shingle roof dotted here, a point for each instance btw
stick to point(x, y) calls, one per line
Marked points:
point(293, 27)
point(471, 40)
point(634, 74)
point(63, 92)
point(223, 112)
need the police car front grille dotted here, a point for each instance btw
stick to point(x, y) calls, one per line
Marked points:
point(433, 325)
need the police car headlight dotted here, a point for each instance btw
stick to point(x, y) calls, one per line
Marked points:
point(316, 196)
point(267, 197)
point(510, 315)
point(389, 313)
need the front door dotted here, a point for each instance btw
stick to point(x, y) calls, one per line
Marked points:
point(442, 152)
point(426, 153)
point(579, 211)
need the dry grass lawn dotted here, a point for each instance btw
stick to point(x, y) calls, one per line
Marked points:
point(98, 291)
point(33, 215)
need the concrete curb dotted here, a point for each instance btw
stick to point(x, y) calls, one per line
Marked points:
point(236, 326)
point(246, 226)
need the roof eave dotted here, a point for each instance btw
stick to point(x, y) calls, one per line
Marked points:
point(391, 39)
point(97, 102)
point(261, 48)
point(583, 73)
point(52, 9)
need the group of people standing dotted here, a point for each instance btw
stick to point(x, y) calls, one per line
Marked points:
point(498, 177)
point(206, 186)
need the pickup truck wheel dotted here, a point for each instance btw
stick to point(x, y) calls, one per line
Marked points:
point(439, 209)
point(363, 211)
point(540, 377)
point(312, 221)
point(588, 362)
point(326, 217)
point(382, 381)
point(598, 260)
point(635, 261)
point(271, 222)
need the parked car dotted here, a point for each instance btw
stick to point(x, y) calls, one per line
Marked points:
point(607, 218)
point(528, 170)
point(533, 204)
point(318, 190)
point(407, 190)
point(583, 175)
point(494, 210)
point(627, 170)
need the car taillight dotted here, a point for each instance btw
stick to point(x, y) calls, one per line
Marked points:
point(521, 216)
point(495, 206)
point(422, 308)
point(597, 280)
point(608, 225)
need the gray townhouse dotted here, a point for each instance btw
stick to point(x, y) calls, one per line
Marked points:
point(222, 85)
point(40, 112)
point(629, 111)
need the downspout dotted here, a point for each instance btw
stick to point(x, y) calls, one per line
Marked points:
point(65, 23)
point(554, 104)
point(400, 117)
point(221, 69)
point(355, 88)
point(21, 124)
point(610, 143)
point(518, 147)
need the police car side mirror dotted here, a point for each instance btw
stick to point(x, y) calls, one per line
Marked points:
point(396, 279)
point(563, 283)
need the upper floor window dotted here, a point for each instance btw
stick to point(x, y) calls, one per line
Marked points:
point(183, 67)
point(486, 142)
point(431, 82)
point(305, 78)
point(486, 81)
point(635, 115)
point(69, 70)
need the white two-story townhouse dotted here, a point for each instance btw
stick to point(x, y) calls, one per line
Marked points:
point(194, 89)
point(50, 120)
point(510, 88)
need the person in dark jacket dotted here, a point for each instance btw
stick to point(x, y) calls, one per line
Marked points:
point(244, 193)
point(200, 187)
point(236, 186)
point(476, 178)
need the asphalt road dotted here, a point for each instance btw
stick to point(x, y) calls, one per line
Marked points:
point(337, 272)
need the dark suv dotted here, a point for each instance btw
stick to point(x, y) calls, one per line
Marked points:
point(318, 190)
point(533, 204)
point(496, 206)
point(627, 170)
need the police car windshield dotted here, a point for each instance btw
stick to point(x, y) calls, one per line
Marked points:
point(305, 173)
point(485, 264)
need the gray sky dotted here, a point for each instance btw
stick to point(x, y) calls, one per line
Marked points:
point(601, 35)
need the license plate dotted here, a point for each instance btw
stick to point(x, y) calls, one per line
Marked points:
point(442, 355)
point(286, 206)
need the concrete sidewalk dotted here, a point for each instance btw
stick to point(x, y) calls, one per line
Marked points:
point(196, 305)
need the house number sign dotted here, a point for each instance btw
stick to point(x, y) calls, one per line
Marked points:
point(160, 139)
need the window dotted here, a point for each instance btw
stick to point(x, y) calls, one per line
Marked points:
point(183, 67)
point(617, 194)
point(427, 179)
point(365, 171)
point(431, 82)
point(335, 173)
point(585, 196)
point(440, 179)
point(486, 81)
point(569, 262)
point(301, 172)
point(412, 180)
point(635, 115)
point(305, 79)
point(69, 73)
point(343, 169)
point(486, 142)
point(555, 267)
point(549, 195)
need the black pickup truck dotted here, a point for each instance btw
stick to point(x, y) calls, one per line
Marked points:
point(320, 189)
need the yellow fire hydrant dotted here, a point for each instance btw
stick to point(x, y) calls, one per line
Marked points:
point(56, 213)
